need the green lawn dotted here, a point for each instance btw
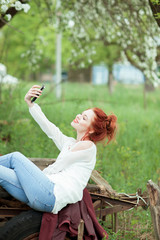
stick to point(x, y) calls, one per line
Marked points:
point(127, 164)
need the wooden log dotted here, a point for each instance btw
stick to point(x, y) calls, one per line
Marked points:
point(96, 177)
point(13, 203)
point(4, 193)
point(42, 162)
point(93, 188)
point(154, 201)
point(97, 204)
point(111, 210)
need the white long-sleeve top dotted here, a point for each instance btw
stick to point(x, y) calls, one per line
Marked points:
point(72, 169)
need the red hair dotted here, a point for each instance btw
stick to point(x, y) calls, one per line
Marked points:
point(104, 126)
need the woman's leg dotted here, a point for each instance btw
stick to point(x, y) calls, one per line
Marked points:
point(36, 186)
point(10, 182)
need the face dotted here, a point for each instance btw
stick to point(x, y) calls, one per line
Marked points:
point(83, 122)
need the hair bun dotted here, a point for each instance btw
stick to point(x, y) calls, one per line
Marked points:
point(103, 126)
point(111, 126)
point(111, 119)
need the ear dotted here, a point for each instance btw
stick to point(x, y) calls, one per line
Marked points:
point(91, 131)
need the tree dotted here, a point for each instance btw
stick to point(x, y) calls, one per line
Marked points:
point(128, 24)
point(8, 9)
point(107, 55)
point(28, 40)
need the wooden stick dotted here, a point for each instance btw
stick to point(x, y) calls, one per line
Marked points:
point(154, 200)
point(80, 230)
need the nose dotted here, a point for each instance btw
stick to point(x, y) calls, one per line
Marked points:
point(78, 116)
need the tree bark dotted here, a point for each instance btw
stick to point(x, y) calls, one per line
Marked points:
point(110, 82)
point(154, 200)
point(149, 87)
point(144, 98)
point(155, 10)
point(12, 11)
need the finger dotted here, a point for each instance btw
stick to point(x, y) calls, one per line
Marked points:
point(36, 86)
point(34, 92)
point(37, 91)
point(34, 95)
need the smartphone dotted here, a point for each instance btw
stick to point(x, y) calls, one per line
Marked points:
point(34, 99)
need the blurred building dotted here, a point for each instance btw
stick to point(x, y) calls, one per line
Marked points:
point(80, 75)
point(99, 74)
point(127, 74)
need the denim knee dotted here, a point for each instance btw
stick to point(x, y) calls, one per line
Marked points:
point(36, 204)
point(17, 154)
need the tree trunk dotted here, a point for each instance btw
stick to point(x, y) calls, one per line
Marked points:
point(0, 92)
point(110, 82)
point(148, 87)
point(144, 98)
point(154, 200)
point(80, 75)
point(155, 7)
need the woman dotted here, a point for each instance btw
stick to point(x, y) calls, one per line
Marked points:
point(63, 182)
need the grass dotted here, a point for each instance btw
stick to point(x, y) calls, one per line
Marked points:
point(127, 164)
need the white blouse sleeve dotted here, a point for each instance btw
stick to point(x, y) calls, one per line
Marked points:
point(48, 127)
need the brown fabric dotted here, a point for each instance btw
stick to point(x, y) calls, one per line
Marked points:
point(56, 226)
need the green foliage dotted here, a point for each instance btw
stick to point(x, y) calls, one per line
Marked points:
point(155, 2)
point(127, 163)
point(130, 225)
point(29, 43)
point(122, 24)
point(157, 16)
point(101, 33)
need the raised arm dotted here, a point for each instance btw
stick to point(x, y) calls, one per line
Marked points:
point(33, 92)
point(48, 127)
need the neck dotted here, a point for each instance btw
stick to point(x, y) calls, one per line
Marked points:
point(82, 136)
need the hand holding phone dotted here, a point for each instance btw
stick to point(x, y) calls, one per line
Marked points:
point(34, 98)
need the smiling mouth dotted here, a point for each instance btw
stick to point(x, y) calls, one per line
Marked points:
point(75, 120)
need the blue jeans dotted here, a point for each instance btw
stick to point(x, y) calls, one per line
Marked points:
point(26, 182)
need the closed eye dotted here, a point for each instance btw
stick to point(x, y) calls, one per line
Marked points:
point(85, 117)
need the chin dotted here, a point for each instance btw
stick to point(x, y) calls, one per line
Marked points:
point(72, 124)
